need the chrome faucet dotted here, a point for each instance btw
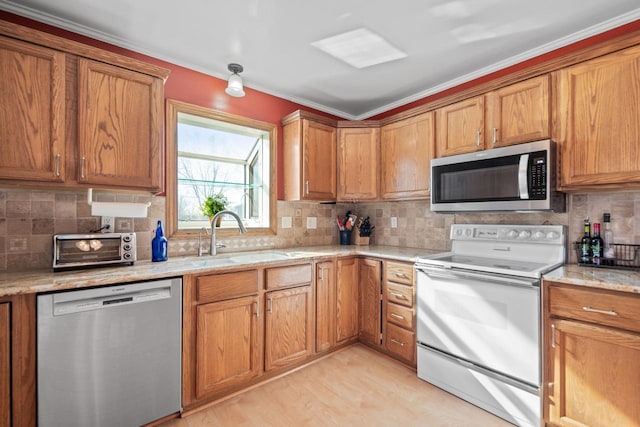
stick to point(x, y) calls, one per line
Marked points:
point(212, 250)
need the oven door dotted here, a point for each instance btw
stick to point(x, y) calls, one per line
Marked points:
point(487, 319)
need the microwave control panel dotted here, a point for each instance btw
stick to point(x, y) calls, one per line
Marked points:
point(538, 175)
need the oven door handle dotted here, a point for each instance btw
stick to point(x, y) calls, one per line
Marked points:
point(457, 274)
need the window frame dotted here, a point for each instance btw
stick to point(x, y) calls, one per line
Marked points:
point(173, 107)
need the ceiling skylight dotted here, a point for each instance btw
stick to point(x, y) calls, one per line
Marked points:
point(359, 48)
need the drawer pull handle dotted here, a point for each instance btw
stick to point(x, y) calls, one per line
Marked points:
point(596, 310)
point(400, 275)
point(398, 295)
point(400, 343)
point(397, 316)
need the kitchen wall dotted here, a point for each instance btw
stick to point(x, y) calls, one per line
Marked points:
point(29, 218)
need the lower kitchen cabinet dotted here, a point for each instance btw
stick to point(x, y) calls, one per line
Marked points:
point(289, 336)
point(347, 300)
point(5, 364)
point(325, 305)
point(399, 311)
point(222, 334)
point(593, 357)
point(370, 301)
point(227, 348)
point(17, 361)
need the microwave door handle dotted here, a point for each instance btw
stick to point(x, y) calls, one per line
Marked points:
point(523, 184)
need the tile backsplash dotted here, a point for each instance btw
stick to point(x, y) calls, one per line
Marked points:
point(29, 219)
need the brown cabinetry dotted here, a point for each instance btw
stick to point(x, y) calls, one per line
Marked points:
point(399, 309)
point(506, 116)
point(73, 114)
point(358, 159)
point(325, 305)
point(289, 317)
point(309, 147)
point(598, 121)
point(406, 149)
point(119, 126)
point(592, 357)
point(518, 113)
point(17, 361)
point(370, 301)
point(221, 333)
point(460, 127)
point(32, 112)
point(347, 300)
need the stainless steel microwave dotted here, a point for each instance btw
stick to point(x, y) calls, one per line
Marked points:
point(514, 178)
point(90, 250)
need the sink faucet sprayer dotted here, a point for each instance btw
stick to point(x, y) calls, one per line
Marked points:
point(213, 247)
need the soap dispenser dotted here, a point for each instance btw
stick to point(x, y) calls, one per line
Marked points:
point(159, 245)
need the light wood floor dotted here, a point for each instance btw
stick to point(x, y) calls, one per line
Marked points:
point(353, 387)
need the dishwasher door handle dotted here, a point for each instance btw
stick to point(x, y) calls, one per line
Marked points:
point(99, 299)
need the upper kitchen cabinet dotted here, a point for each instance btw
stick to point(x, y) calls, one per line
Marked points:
point(460, 127)
point(598, 122)
point(32, 112)
point(120, 126)
point(309, 157)
point(406, 150)
point(75, 115)
point(358, 153)
point(518, 113)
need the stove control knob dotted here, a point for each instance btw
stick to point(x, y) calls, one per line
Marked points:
point(524, 234)
point(552, 235)
point(512, 234)
point(459, 232)
point(538, 235)
point(468, 232)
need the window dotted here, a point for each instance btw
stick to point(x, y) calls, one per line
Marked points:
point(210, 153)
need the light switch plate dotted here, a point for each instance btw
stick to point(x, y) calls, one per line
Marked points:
point(394, 222)
point(312, 222)
point(286, 222)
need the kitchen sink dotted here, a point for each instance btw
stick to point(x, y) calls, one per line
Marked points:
point(259, 257)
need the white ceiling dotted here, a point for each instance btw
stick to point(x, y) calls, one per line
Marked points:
point(446, 42)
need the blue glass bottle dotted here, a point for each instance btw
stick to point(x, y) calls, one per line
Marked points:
point(159, 245)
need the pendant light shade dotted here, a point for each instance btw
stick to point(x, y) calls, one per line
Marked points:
point(234, 88)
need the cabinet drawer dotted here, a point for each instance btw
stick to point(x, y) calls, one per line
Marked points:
point(399, 272)
point(218, 287)
point(401, 342)
point(400, 315)
point(612, 309)
point(399, 294)
point(284, 277)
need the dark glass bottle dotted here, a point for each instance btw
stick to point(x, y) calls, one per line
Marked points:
point(597, 245)
point(159, 245)
point(585, 243)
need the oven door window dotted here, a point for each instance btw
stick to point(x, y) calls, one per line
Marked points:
point(80, 250)
point(477, 181)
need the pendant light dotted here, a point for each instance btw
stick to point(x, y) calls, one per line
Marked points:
point(234, 88)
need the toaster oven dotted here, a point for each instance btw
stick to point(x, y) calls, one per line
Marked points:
point(90, 250)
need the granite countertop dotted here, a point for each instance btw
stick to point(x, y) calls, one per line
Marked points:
point(602, 278)
point(47, 280)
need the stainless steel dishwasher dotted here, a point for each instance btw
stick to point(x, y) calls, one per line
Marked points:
point(110, 356)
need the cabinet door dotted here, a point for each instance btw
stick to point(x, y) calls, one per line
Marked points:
point(5, 365)
point(227, 346)
point(595, 376)
point(289, 327)
point(460, 127)
point(347, 300)
point(518, 113)
point(406, 149)
point(32, 112)
point(599, 121)
point(318, 161)
point(370, 301)
point(358, 151)
point(119, 127)
point(325, 305)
